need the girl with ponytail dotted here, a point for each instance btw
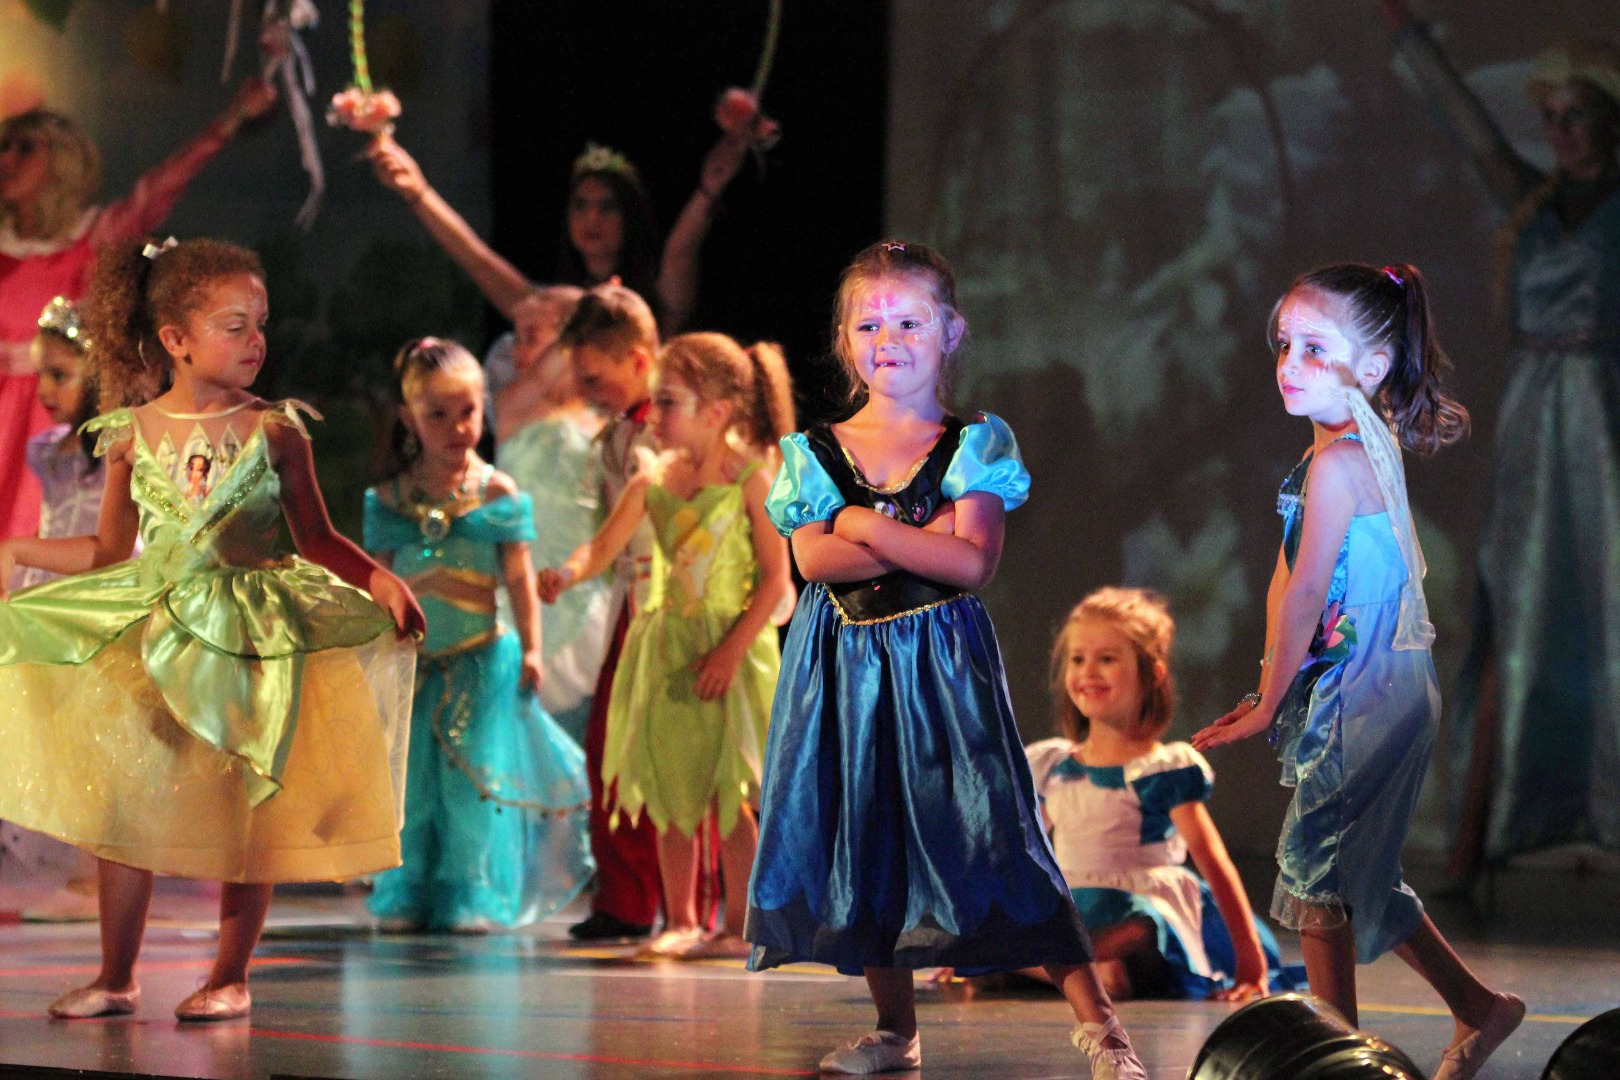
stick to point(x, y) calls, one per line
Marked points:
point(692, 694)
point(1347, 689)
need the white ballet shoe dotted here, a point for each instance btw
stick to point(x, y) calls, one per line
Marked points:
point(877, 1052)
point(1108, 1062)
point(1462, 1061)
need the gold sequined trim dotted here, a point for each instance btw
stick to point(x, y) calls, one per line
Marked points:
point(477, 641)
point(162, 500)
point(843, 616)
point(243, 489)
point(451, 736)
point(892, 489)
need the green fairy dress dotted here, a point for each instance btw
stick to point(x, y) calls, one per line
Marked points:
point(216, 707)
point(672, 754)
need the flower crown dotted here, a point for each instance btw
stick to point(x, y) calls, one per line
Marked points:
point(598, 158)
point(61, 318)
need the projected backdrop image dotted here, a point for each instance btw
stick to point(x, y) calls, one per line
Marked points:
point(1125, 188)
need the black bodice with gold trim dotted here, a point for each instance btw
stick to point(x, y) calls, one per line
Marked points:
point(912, 502)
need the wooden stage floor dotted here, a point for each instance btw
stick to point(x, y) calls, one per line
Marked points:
point(332, 1000)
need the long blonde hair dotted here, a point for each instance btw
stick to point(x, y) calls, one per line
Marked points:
point(75, 171)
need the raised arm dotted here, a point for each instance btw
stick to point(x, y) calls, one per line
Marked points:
point(160, 187)
point(1509, 177)
point(112, 542)
point(500, 282)
point(1209, 854)
point(678, 271)
point(319, 542)
point(597, 554)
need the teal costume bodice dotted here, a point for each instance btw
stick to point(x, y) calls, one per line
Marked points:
point(453, 565)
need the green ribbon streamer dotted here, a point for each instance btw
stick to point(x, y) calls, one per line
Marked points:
point(767, 56)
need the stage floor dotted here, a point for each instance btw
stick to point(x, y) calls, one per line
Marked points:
point(331, 1000)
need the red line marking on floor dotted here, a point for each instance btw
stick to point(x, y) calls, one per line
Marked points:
point(160, 965)
point(395, 1044)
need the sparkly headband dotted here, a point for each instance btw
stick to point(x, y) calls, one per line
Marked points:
point(599, 159)
point(894, 245)
point(61, 318)
point(1389, 272)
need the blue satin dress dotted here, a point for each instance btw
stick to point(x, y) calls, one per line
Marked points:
point(899, 825)
point(1354, 734)
point(495, 795)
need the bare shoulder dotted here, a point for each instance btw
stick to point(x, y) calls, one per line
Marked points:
point(500, 485)
point(1341, 469)
point(756, 483)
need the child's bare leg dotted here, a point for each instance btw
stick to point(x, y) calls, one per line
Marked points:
point(1083, 990)
point(242, 911)
point(1429, 954)
point(895, 999)
point(125, 896)
point(1330, 965)
point(737, 863)
point(677, 867)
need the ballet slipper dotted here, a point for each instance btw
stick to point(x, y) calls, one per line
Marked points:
point(1463, 1059)
point(670, 945)
point(88, 1001)
point(721, 946)
point(211, 1003)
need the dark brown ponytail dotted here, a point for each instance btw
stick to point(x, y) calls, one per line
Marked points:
point(1387, 308)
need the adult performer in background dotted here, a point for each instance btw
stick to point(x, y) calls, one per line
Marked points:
point(609, 230)
point(1537, 729)
point(50, 231)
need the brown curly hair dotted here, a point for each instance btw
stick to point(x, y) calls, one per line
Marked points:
point(132, 296)
point(755, 380)
point(1144, 618)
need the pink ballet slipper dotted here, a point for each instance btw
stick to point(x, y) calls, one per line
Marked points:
point(209, 1004)
point(88, 1001)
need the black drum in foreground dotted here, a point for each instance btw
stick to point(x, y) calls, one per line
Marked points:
point(1292, 1037)
point(1592, 1051)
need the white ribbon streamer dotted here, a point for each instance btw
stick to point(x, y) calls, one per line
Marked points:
point(1412, 627)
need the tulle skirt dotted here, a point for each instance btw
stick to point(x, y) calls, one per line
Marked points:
point(94, 757)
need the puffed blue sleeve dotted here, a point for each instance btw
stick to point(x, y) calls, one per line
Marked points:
point(987, 460)
point(383, 528)
point(803, 492)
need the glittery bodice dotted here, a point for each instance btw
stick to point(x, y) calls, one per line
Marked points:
point(454, 575)
point(704, 559)
point(235, 523)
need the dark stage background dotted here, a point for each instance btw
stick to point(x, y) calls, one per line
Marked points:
point(642, 77)
point(1125, 186)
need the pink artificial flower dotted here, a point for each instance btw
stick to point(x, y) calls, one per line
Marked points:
point(737, 113)
point(371, 114)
